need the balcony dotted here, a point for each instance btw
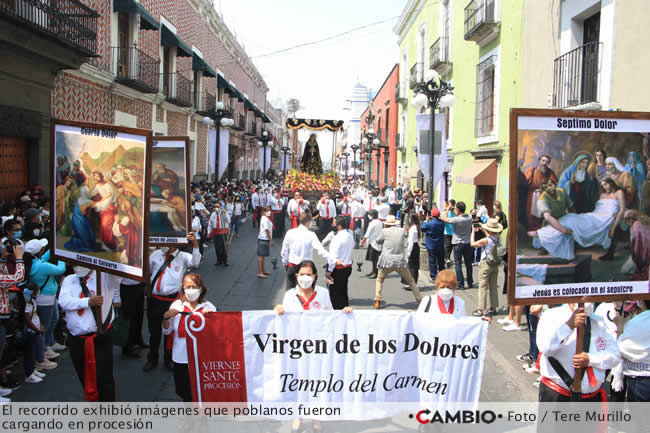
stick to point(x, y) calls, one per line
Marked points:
point(400, 93)
point(252, 129)
point(206, 104)
point(480, 21)
point(439, 56)
point(240, 122)
point(415, 75)
point(67, 22)
point(575, 78)
point(135, 69)
point(177, 89)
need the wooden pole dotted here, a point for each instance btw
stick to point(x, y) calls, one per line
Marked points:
point(97, 311)
point(577, 379)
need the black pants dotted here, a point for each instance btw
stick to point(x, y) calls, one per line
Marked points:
point(155, 310)
point(104, 358)
point(292, 279)
point(339, 290)
point(324, 227)
point(448, 247)
point(463, 252)
point(220, 249)
point(133, 308)
point(436, 263)
point(393, 209)
point(276, 224)
point(182, 382)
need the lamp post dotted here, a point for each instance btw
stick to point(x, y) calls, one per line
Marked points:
point(346, 155)
point(355, 148)
point(285, 151)
point(262, 143)
point(371, 140)
point(221, 116)
point(435, 93)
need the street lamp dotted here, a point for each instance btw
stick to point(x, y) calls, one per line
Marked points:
point(220, 116)
point(285, 151)
point(262, 143)
point(435, 93)
point(346, 155)
point(355, 148)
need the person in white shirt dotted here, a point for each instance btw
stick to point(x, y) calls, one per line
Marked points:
point(297, 246)
point(372, 234)
point(167, 267)
point(192, 301)
point(481, 211)
point(383, 210)
point(327, 212)
point(345, 209)
point(340, 249)
point(218, 227)
point(556, 340)
point(256, 205)
point(391, 199)
point(413, 250)
point(77, 298)
point(236, 217)
point(444, 301)
point(358, 212)
point(306, 296)
point(275, 204)
point(296, 207)
point(634, 345)
point(264, 241)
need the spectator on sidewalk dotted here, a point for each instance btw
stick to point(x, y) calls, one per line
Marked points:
point(374, 249)
point(449, 230)
point(32, 336)
point(489, 267)
point(433, 228)
point(264, 241)
point(413, 250)
point(476, 252)
point(461, 242)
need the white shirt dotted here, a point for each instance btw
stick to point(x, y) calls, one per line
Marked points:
point(199, 206)
point(238, 209)
point(382, 211)
point(265, 224)
point(358, 211)
point(634, 345)
point(372, 234)
point(31, 308)
point(341, 249)
point(230, 209)
point(323, 209)
point(321, 301)
point(264, 199)
point(412, 240)
point(179, 349)
point(556, 339)
point(275, 204)
point(390, 195)
point(370, 203)
point(223, 222)
point(255, 200)
point(196, 227)
point(170, 280)
point(293, 206)
point(459, 306)
point(482, 212)
point(345, 206)
point(298, 245)
point(71, 301)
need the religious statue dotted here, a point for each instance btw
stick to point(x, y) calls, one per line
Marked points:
point(311, 162)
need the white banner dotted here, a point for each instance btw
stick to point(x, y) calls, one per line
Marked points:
point(539, 123)
point(268, 159)
point(224, 141)
point(212, 149)
point(422, 123)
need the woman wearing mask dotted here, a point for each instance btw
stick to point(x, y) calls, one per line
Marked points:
point(192, 301)
point(236, 216)
point(43, 274)
point(306, 296)
point(444, 301)
point(264, 241)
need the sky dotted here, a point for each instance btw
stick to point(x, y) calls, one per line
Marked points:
point(321, 76)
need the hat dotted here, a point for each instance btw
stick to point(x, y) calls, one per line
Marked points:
point(435, 213)
point(492, 225)
point(390, 220)
point(31, 213)
point(35, 245)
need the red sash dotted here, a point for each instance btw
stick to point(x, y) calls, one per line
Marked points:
point(306, 302)
point(160, 277)
point(442, 308)
point(182, 333)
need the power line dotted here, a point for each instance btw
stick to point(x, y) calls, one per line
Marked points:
point(284, 50)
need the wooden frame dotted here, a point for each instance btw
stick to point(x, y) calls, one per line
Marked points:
point(82, 258)
point(171, 240)
point(630, 124)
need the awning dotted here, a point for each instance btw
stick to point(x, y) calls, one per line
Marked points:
point(198, 64)
point(480, 172)
point(147, 22)
point(222, 83)
point(169, 39)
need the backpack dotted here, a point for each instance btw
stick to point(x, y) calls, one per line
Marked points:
point(495, 257)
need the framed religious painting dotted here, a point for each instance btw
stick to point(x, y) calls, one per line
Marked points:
point(100, 181)
point(579, 206)
point(170, 212)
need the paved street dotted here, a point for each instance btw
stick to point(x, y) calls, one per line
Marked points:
point(237, 288)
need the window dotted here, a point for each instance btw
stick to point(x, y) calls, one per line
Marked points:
point(403, 69)
point(445, 52)
point(485, 106)
point(422, 38)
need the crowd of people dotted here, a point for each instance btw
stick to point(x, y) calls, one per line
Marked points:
point(47, 306)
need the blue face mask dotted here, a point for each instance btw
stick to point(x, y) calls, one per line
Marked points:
point(16, 235)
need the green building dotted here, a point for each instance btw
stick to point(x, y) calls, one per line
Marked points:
point(476, 46)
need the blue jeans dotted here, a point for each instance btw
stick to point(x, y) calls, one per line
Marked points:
point(436, 262)
point(638, 389)
point(463, 252)
point(33, 350)
point(532, 332)
point(476, 254)
point(49, 317)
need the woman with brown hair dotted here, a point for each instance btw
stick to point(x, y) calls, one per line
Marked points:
point(192, 301)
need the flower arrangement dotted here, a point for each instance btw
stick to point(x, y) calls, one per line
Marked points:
point(301, 181)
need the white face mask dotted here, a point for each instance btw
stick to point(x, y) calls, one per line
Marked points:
point(589, 308)
point(305, 281)
point(268, 214)
point(192, 294)
point(445, 293)
point(80, 271)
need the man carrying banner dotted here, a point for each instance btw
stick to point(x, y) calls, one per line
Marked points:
point(556, 340)
point(91, 350)
point(218, 227)
point(340, 249)
point(167, 267)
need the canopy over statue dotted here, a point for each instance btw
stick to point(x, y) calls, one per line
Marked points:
point(311, 162)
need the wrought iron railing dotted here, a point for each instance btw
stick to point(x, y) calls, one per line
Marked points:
point(575, 77)
point(177, 89)
point(206, 104)
point(67, 21)
point(252, 127)
point(439, 52)
point(136, 69)
point(240, 121)
point(477, 13)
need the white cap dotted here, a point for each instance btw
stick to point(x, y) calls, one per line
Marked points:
point(35, 245)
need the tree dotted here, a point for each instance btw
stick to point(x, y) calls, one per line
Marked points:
point(293, 105)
